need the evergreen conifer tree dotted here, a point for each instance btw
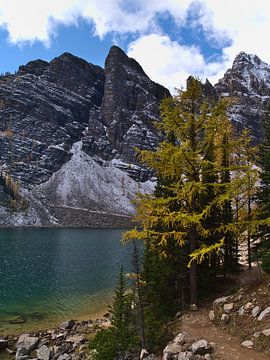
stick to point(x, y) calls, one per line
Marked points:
point(198, 174)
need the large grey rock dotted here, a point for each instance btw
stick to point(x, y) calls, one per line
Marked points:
point(264, 314)
point(201, 347)
point(44, 353)
point(27, 342)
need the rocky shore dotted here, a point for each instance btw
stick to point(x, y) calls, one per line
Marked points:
point(69, 341)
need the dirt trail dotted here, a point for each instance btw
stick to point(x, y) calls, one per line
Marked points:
point(226, 346)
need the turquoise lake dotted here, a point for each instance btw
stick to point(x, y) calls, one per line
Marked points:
point(50, 275)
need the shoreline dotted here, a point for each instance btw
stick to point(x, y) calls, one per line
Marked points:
point(51, 324)
point(68, 338)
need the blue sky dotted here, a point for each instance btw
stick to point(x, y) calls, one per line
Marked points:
point(170, 38)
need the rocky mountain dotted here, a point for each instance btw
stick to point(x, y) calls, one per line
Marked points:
point(248, 82)
point(69, 132)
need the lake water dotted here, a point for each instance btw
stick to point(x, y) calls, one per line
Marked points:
point(50, 275)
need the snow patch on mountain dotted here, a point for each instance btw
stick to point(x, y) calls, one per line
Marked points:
point(84, 183)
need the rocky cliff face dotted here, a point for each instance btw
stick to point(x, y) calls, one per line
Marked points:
point(248, 82)
point(47, 108)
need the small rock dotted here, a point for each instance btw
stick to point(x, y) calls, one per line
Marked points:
point(150, 357)
point(172, 348)
point(248, 344)
point(264, 314)
point(10, 352)
point(207, 357)
point(212, 315)
point(266, 332)
point(66, 325)
point(144, 353)
point(228, 308)
point(75, 339)
point(255, 312)
point(200, 347)
point(220, 301)
point(17, 320)
point(44, 353)
point(182, 338)
point(187, 355)
point(256, 335)
point(241, 311)
point(225, 318)
point(248, 305)
point(64, 357)
point(3, 343)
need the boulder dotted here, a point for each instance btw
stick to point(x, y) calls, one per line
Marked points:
point(201, 347)
point(264, 314)
point(27, 342)
point(44, 353)
point(248, 344)
point(22, 354)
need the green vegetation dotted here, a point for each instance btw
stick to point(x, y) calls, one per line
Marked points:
point(203, 206)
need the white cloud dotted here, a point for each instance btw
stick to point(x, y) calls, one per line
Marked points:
point(32, 20)
point(245, 23)
point(170, 63)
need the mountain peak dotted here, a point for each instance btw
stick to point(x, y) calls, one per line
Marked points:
point(244, 59)
point(117, 56)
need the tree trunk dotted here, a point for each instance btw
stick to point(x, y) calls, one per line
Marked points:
point(193, 273)
point(248, 233)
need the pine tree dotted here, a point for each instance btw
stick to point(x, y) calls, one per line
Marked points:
point(195, 179)
point(120, 314)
